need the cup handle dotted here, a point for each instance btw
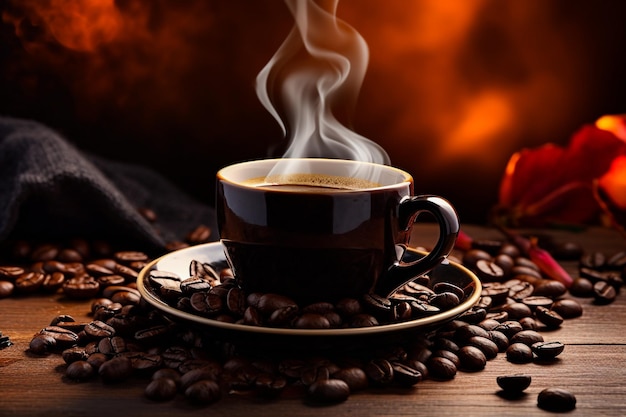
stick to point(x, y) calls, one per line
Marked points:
point(409, 209)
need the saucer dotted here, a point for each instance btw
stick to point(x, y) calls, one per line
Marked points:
point(213, 254)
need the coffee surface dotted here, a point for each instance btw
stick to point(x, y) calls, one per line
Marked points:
point(311, 182)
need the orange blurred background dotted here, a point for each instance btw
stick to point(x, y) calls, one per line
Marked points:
point(453, 87)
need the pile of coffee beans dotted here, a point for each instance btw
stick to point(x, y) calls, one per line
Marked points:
point(127, 338)
point(214, 295)
point(78, 268)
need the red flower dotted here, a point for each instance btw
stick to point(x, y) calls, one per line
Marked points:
point(571, 185)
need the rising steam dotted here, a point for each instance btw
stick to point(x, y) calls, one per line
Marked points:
point(316, 72)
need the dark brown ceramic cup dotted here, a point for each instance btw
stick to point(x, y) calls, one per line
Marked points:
point(324, 229)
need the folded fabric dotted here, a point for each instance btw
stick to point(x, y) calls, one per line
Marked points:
point(49, 189)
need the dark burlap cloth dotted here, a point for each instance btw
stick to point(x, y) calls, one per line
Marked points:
point(49, 189)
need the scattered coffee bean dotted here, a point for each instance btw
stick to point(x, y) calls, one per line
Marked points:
point(556, 399)
point(329, 390)
point(567, 308)
point(519, 353)
point(581, 287)
point(604, 293)
point(514, 383)
point(547, 350)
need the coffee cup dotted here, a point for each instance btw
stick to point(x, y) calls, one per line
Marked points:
point(317, 229)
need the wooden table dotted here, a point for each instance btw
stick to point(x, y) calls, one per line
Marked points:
point(592, 367)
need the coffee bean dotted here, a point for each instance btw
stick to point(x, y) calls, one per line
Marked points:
point(206, 303)
point(355, 377)
point(521, 290)
point(10, 273)
point(514, 383)
point(191, 377)
point(489, 324)
point(496, 291)
point(236, 301)
point(519, 353)
point(443, 343)
point(488, 271)
point(130, 256)
point(443, 287)
point(464, 333)
point(549, 288)
point(473, 315)
point(604, 293)
point(42, 344)
point(63, 338)
point(556, 399)
point(594, 260)
point(311, 321)
point(499, 339)
point(510, 250)
point(80, 370)
point(485, 344)
point(268, 303)
point(379, 372)
point(6, 289)
point(377, 305)
point(505, 262)
point(404, 375)
point(203, 392)
point(97, 330)
point(524, 262)
point(96, 359)
point(329, 391)
point(527, 337)
point(74, 354)
point(81, 287)
point(115, 370)
point(29, 282)
point(269, 385)
point(52, 282)
point(525, 271)
point(441, 368)
point(535, 301)
point(547, 350)
point(161, 389)
point(193, 285)
point(550, 318)
point(252, 317)
point(568, 308)
point(617, 261)
point(283, 316)
point(509, 328)
point(451, 356)
point(44, 252)
point(348, 307)
point(445, 300)
point(472, 256)
point(472, 358)
point(528, 323)
point(517, 310)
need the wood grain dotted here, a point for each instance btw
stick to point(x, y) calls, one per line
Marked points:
point(592, 367)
